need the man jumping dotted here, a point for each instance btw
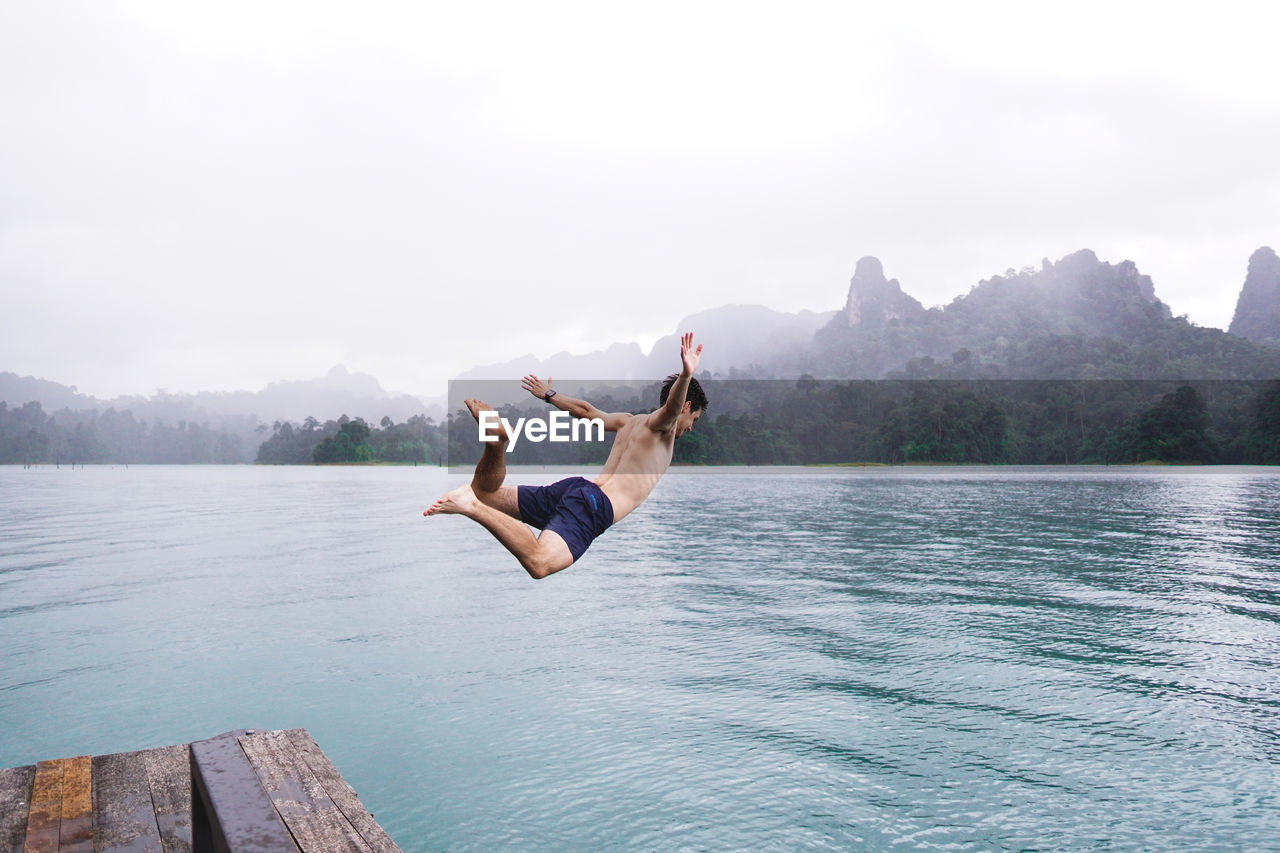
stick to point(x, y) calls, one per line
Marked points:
point(573, 512)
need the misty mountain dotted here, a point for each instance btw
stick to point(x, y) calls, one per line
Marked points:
point(339, 392)
point(741, 337)
point(1077, 318)
point(1257, 315)
point(17, 390)
point(736, 338)
point(874, 301)
point(620, 361)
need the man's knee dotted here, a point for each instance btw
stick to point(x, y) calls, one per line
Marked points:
point(540, 564)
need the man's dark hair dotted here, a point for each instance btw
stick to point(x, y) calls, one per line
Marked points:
point(695, 394)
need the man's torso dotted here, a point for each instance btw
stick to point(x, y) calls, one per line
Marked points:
point(639, 458)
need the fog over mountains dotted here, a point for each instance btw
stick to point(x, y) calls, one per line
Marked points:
point(339, 392)
point(736, 338)
point(1078, 317)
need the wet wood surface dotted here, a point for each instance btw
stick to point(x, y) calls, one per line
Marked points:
point(142, 801)
point(15, 806)
point(123, 815)
point(342, 794)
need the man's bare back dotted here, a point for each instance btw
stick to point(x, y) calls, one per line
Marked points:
point(573, 512)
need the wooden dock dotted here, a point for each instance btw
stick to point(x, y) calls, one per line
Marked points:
point(266, 790)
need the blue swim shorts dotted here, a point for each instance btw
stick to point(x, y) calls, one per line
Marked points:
point(574, 508)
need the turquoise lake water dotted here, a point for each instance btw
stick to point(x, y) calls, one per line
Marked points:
point(934, 658)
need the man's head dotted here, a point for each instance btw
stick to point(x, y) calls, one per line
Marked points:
point(695, 403)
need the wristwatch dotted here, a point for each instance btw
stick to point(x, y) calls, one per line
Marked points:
point(547, 396)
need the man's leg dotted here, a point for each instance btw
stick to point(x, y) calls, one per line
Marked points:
point(540, 556)
point(497, 507)
point(491, 470)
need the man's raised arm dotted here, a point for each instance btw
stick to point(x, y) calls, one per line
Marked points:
point(665, 418)
point(613, 421)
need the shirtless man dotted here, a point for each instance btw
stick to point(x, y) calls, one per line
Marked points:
point(573, 512)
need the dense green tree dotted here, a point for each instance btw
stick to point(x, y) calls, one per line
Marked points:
point(417, 440)
point(1176, 429)
point(351, 444)
point(290, 445)
point(345, 440)
point(1264, 440)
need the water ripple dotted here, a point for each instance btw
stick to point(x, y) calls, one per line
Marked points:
point(989, 658)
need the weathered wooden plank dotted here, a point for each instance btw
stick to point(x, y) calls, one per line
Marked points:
point(144, 801)
point(169, 777)
point(231, 809)
point(15, 804)
point(123, 818)
point(45, 815)
point(75, 834)
point(342, 794)
point(300, 799)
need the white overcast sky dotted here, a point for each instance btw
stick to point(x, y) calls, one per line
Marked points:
point(214, 196)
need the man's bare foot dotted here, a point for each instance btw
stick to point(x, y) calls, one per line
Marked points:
point(461, 501)
point(475, 407)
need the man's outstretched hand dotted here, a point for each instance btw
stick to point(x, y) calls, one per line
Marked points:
point(689, 356)
point(536, 386)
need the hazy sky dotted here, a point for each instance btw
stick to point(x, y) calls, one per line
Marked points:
point(214, 196)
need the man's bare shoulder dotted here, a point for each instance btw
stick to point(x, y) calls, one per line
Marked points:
point(653, 421)
point(627, 422)
point(614, 421)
